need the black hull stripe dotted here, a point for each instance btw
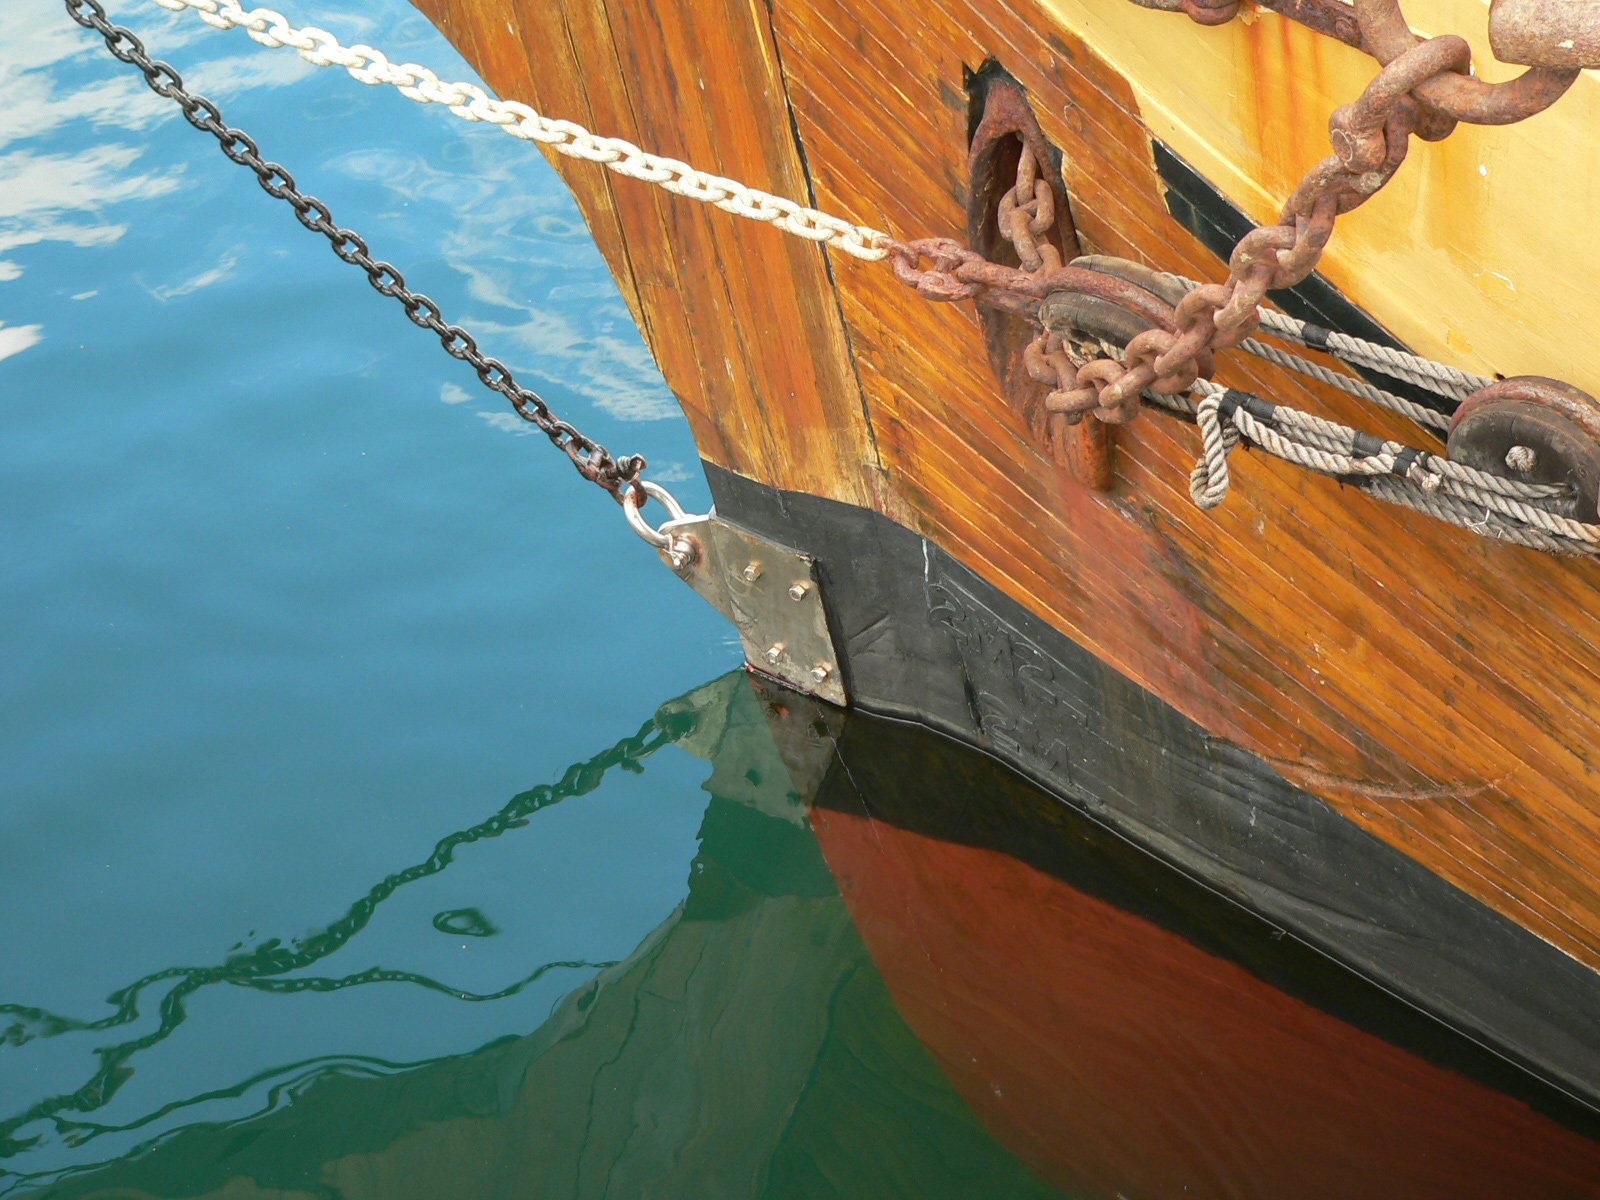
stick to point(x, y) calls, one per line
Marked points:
point(923, 638)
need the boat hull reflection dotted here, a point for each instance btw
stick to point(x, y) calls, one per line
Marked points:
point(1007, 1002)
point(1129, 1033)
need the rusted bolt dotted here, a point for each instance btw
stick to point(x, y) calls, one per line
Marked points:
point(774, 653)
point(797, 591)
point(820, 673)
point(751, 572)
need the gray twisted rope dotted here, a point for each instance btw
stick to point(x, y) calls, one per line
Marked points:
point(1517, 489)
point(1512, 510)
point(1419, 413)
point(1208, 482)
point(1424, 372)
point(1553, 522)
point(1481, 520)
point(1528, 514)
point(1438, 377)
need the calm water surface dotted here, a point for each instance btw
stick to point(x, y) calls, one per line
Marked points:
point(381, 820)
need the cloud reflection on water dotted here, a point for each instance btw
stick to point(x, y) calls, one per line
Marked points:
point(499, 239)
point(223, 269)
point(505, 241)
point(16, 339)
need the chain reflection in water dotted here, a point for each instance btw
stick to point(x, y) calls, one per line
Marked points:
point(263, 967)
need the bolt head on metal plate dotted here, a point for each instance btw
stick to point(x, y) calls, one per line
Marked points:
point(772, 596)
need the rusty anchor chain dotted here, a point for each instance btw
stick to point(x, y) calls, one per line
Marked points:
point(1210, 12)
point(1024, 214)
point(1423, 88)
point(1461, 96)
point(1114, 334)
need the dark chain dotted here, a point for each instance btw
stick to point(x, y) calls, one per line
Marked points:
point(591, 459)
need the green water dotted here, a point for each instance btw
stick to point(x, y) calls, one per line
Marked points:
point(734, 1052)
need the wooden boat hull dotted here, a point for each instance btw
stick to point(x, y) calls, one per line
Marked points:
point(1373, 729)
point(929, 641)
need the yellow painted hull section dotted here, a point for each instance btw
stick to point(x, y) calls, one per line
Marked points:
point(1484, 248)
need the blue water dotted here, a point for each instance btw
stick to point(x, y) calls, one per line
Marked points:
point(284, 595)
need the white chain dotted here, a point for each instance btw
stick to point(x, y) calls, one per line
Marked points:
point(472, 103)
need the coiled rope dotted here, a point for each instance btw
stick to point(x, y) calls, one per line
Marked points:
point(1535, 515)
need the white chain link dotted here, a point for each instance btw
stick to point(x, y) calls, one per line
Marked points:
point(472, 103)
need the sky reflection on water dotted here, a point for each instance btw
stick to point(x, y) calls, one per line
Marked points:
point(282, 597)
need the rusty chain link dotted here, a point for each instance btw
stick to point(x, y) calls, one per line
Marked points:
point(591, 459)
point(1210, 12)
point(1459, 95)
point(1423, 89)
point(1370, 139)
point(1026, 212)
point(1047, 362)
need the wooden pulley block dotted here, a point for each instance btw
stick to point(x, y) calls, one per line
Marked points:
point(1534, 429)
point(1094, 328)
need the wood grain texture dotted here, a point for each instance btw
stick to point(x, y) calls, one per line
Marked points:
point(1440, 690)
point(731, 311)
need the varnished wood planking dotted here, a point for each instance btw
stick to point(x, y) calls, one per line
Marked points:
point(712, 319)
point(1390, 712)
point(1313, 627)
